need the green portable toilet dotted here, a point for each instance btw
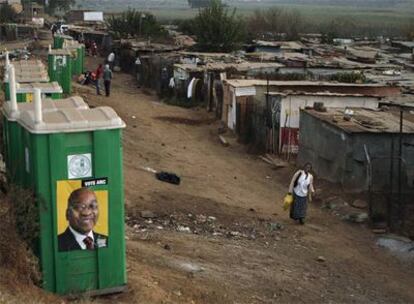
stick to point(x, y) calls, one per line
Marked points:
point(59, 40)
point(78, 55)
point(76, 60)
point(67, 150)
point(60, 68)
point(12, 133)
point(80, 58)
point(25, 72)
point(30, 71)
point(25, 91)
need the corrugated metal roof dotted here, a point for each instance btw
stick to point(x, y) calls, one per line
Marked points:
point(241, 66)
point(262, 82)
point(293, 45)
point(364, 120)
point(298, 93)
point(201, 54)
point(409, 44)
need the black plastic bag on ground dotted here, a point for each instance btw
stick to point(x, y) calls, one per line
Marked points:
point(168, 177)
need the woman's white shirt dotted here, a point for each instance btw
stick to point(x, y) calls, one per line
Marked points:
point(302, 186)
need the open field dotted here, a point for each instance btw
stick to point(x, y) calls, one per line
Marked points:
point(382, 20)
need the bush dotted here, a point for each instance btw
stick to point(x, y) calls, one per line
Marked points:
point(7, 14)
point(408, 29)
point(18, 231)
point(132, 23)
point(217, 29)
point(186, 26)
point(275, 21)
point(58, 5)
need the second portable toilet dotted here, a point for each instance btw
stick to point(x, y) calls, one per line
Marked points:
point(78, 55)
point(32, 71)
point(25, 91)
point(59, 40)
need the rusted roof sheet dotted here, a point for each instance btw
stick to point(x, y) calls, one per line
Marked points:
point(364, 120)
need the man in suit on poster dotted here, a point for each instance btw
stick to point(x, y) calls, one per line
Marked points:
point(82, 214)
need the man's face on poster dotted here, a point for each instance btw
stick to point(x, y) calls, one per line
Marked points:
point(83, 212)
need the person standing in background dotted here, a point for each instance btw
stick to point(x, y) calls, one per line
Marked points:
point(94, 49)
point(107, 77)
point(99, 73)
point(111, 60)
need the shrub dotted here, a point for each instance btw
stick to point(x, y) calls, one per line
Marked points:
point(132, 23)
point(218, 29)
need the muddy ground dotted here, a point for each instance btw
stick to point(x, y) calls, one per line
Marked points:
point(221, 236)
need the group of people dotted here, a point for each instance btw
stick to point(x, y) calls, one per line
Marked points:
point(102, 72)
point(105, 74)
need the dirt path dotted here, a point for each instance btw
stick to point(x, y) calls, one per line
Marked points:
point(222, 236)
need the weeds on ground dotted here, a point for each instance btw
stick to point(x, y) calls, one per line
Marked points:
point(18, 230)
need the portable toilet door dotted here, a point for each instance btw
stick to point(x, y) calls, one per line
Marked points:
point(68, 150)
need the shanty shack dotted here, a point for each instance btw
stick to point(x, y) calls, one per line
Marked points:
point(364, 150)
point(210, 77)
point(261, 46)
point(32, 10)
point(266, 113)
point(285, 109)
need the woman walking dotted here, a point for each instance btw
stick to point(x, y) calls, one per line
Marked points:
point(300, 185)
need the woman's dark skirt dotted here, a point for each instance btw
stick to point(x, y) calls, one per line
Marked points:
point(298, 207)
